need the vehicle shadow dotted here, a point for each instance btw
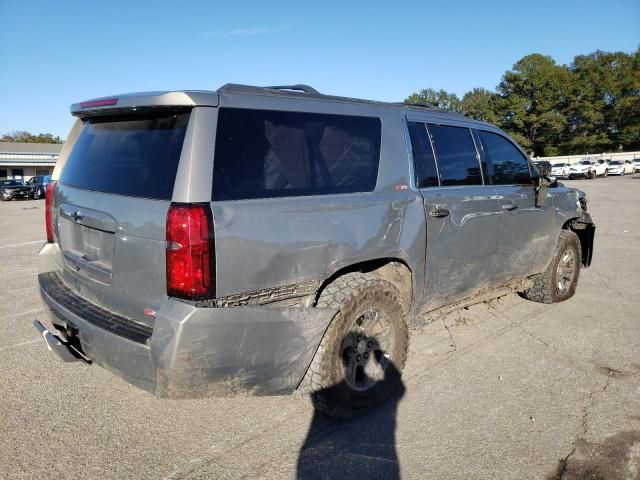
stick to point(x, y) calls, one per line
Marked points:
point(362, 447)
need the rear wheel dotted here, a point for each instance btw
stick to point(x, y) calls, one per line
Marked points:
point(558, 282)
point(358, 363)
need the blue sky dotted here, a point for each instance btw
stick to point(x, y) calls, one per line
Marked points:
point(54, 53)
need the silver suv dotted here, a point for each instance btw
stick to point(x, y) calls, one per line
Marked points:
point(265, 240)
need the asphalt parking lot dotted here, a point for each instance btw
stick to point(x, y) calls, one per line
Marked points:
point(508, 390)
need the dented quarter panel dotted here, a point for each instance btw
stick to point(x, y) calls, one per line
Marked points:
point(262, 243)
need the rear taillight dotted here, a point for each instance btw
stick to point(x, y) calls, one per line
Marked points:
point(48, 210)
point(190, 251)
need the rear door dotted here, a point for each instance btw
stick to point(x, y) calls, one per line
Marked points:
point(111, 202)
point(527, 233)
point(461, 213)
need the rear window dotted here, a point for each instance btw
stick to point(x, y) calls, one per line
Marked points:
point(266, 154)
point(133, 156)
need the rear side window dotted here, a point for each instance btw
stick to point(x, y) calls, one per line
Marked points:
point(133, 156)
point(456, 153)
point(425, 164)
point(262, 154)
point(509, 166)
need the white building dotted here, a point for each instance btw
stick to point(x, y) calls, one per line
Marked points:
point(24, 160)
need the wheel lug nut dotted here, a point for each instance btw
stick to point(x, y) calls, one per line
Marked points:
point(358, 358)
point(359, 337)
point(366, 355)
point(355, 349)
point(369, 344)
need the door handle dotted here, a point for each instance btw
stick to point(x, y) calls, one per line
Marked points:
point(509, 206)
point(439, 212)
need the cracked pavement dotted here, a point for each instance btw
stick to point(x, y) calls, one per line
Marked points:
point(512, 389)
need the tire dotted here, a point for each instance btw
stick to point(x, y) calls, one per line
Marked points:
point(558, 282)
point(361, 356)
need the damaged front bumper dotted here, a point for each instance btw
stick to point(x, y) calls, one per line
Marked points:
point(585, 228)
point(195, 352)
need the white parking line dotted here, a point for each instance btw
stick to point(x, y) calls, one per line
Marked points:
point(21, 244)
point(20, 344)
point(37, 310)
point(12, 272)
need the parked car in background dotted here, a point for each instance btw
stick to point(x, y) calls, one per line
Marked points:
point(582, 169)
point(560, 170)
point(10, 189)
point(620, 167)
point(601, 167)
point(38, 185)
point(628, 167)
point(636, 165)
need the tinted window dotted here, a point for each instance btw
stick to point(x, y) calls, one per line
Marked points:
point(425, 165)
point(134, 156)
point(509, 165)
point(262, 153)
point(3, 172)
point(456, 155)
point(17, 172)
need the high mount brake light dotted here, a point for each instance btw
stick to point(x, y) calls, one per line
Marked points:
point(48, 210)
point(106, 102)
point(190, 251)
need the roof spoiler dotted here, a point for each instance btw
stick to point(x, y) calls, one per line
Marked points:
point(132, 101)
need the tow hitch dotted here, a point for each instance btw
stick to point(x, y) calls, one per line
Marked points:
point(65, 350)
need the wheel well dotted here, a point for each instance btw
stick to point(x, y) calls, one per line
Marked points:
point(585, 233)
point(392, 270)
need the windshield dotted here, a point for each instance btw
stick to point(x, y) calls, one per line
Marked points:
point(559, 165)
point(615, 162)
point(584, 162)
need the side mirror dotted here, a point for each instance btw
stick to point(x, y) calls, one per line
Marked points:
point(544, 168)
point(542, 189)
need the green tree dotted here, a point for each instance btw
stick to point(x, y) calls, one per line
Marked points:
point(535, 96)
point(439, 99)
point(26, 137)
point(481, 104)
point(604, 112)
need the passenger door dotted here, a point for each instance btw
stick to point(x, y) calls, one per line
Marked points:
point(527, 233)
point(462, 213)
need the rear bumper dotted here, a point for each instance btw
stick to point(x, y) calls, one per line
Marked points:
point(195, 352)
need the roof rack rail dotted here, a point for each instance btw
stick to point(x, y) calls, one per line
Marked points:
point(298, 88)
point(417, 104)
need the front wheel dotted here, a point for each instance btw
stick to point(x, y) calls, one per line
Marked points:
point(558, 282)
point(361, 356)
